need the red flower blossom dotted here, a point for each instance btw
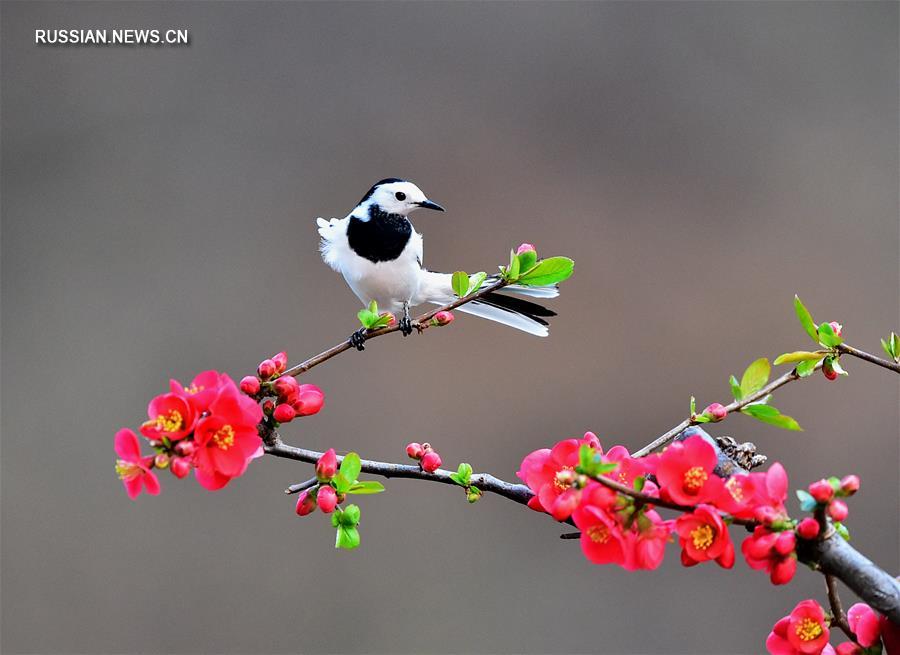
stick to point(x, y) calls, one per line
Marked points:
point(685, 472)
point(804, 632)
point(602, 539)
point(647, 543)
point(202, 390)
point(629, 467)
point(171, 416)
point(550, 473)
point(770, 492)
point(763, 550)
point(865, 623)
point(737, 496)
point(307, 400)
point(132, 469)
point(227, 439)
point(704, 536)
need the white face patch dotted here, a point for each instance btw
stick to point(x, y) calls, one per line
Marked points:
point(397, 198)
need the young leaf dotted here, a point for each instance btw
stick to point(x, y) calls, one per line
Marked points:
point(827, 337)
point(806, 319)
point(373, 307)
point(366, 488)
point(465, 473)
point(842, 530)
point(342, 484)
point(806, 368)
point(475, 282)
point(366, 318)
point(514, 266)
point(693, 405)
point(807, 502)
point(350, 516)
point(887, 348)
point(798, 356)
point(770, 415)
point(460, 283)
point(735, 388)
point(350, 468)
point(347, 538)
point(549, 271)
point(755, 377)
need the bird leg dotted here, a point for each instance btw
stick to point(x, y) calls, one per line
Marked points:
point(406, 326)
point(358, 338)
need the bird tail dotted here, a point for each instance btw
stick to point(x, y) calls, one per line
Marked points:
point(514, 312)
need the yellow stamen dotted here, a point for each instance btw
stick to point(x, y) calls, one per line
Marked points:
point(167, 423)
point(702, 537)
point(193, 389)
point(735, 489)
point(695, 478)
point(808, 629)
point(563, 478)
point(127, 470)
point(224, 437)
point(599, 534)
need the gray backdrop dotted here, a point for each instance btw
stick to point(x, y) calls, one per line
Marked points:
point(700, 162)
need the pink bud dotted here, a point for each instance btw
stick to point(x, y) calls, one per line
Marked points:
point(837, 327)
point(161, 461)
point(268, 407)
point(391, 318)
point(285, 386)
point(716, 412)
point(849, 648)
point(284, 413)
point(765, 515)
point(822, 491)
point(442, 318)
point(185, 448)
point(180, 467)
point(808, 528)
point(327, 499)
point(837, 510)
point(850, 484)
point(308, 400)
point(250, 385)
point(431, 462)
point(326, 467)
point(786, 543)
point(783, 572)
point(306, 504)
point(525, 247)
point(415, 450)
point(266, 369)
point(280, 361)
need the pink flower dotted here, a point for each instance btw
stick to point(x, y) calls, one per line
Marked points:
point(865, 623)
point(308, 400)
point(737, 496)
point(202, 390)
point(227, 439)
point(704, 536)
point(629, 467)
point(768, 550)
point(171, 416)
point(647, 544)
point(602, 539)
point(685, 472)
point(132, 469)
point(770, 492)
point(550, 473)
point(327, 466)
point(803, 632)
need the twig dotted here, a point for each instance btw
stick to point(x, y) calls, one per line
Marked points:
point(421, 323)
point(302, 486)
point(840, 619)
point(862, 354)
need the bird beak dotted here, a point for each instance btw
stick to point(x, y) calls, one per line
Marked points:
point(427, 204)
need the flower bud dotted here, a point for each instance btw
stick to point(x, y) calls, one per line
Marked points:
point(308, 400)
point(783, 572)
point(837, 510)
point(473, 494)
point(808, 528)
point(390, 317)
point(250, 385)
point(850, 484)
point(306, 503)
point(828, 370)
point(414, 450)
point(822, 491)
point(327, 466)
point(431, 462)
point(286, 386)
point(284, 413)
point(785, 543)
point(765, 515)
point(327, 499)
point(442, 318)
point(280, 361)
point(716, 412)
point(837, 327)
point(185, 448)
point(161, 461)
point(266, 369)
point(525, 247)
point(180, 466)
point(849, 648)
point(268, 407)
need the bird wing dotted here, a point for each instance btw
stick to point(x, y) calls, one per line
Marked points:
point(334, 246)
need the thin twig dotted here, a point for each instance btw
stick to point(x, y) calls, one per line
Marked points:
point(840, 619)
point(302, 486)
point(862, 354)
point(421, 323)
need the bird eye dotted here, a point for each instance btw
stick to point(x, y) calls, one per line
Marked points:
point(400, 195)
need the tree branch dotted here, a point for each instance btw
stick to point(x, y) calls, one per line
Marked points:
point(862, 354)
point(837, 611)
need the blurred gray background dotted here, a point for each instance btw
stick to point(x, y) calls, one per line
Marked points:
point(700, 162)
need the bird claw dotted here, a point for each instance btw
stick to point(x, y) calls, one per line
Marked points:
point(406, 326)
point(358, 338)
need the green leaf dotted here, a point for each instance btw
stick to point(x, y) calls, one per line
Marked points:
point(798, 356)
point(475, 282)
point(514, 266)
point(549, 271)
point(806, 319)
point(366, 318)
point(842, 530)
point(693, 405)
point(527, 261)
point(460, 283)
point(336, 517)
point(735, 388)
point(827, 337)
point(806, 368)
point(639, 483)
point(770, 415)
point(366, 488)
point(350, 516)
point(895, 345)
point(350, 467)
point(347, 538)
point(464, 473)
point(755, 377)
point(807, 502)
point(341, 484)
point(887, 348)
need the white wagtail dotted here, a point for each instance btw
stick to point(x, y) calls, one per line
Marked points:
point(379, 254)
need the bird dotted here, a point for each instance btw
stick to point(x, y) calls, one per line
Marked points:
point(380, 254)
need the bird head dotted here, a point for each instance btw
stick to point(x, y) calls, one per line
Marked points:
point(396, 196)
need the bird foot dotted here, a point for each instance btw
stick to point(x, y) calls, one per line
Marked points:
point(406, 326)
point(358, 338)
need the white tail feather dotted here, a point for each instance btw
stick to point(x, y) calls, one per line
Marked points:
point(534, 292)
point(505, 317)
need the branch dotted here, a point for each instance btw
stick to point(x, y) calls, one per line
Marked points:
point(840, 619)
point(421, 323)
point(862, 354)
